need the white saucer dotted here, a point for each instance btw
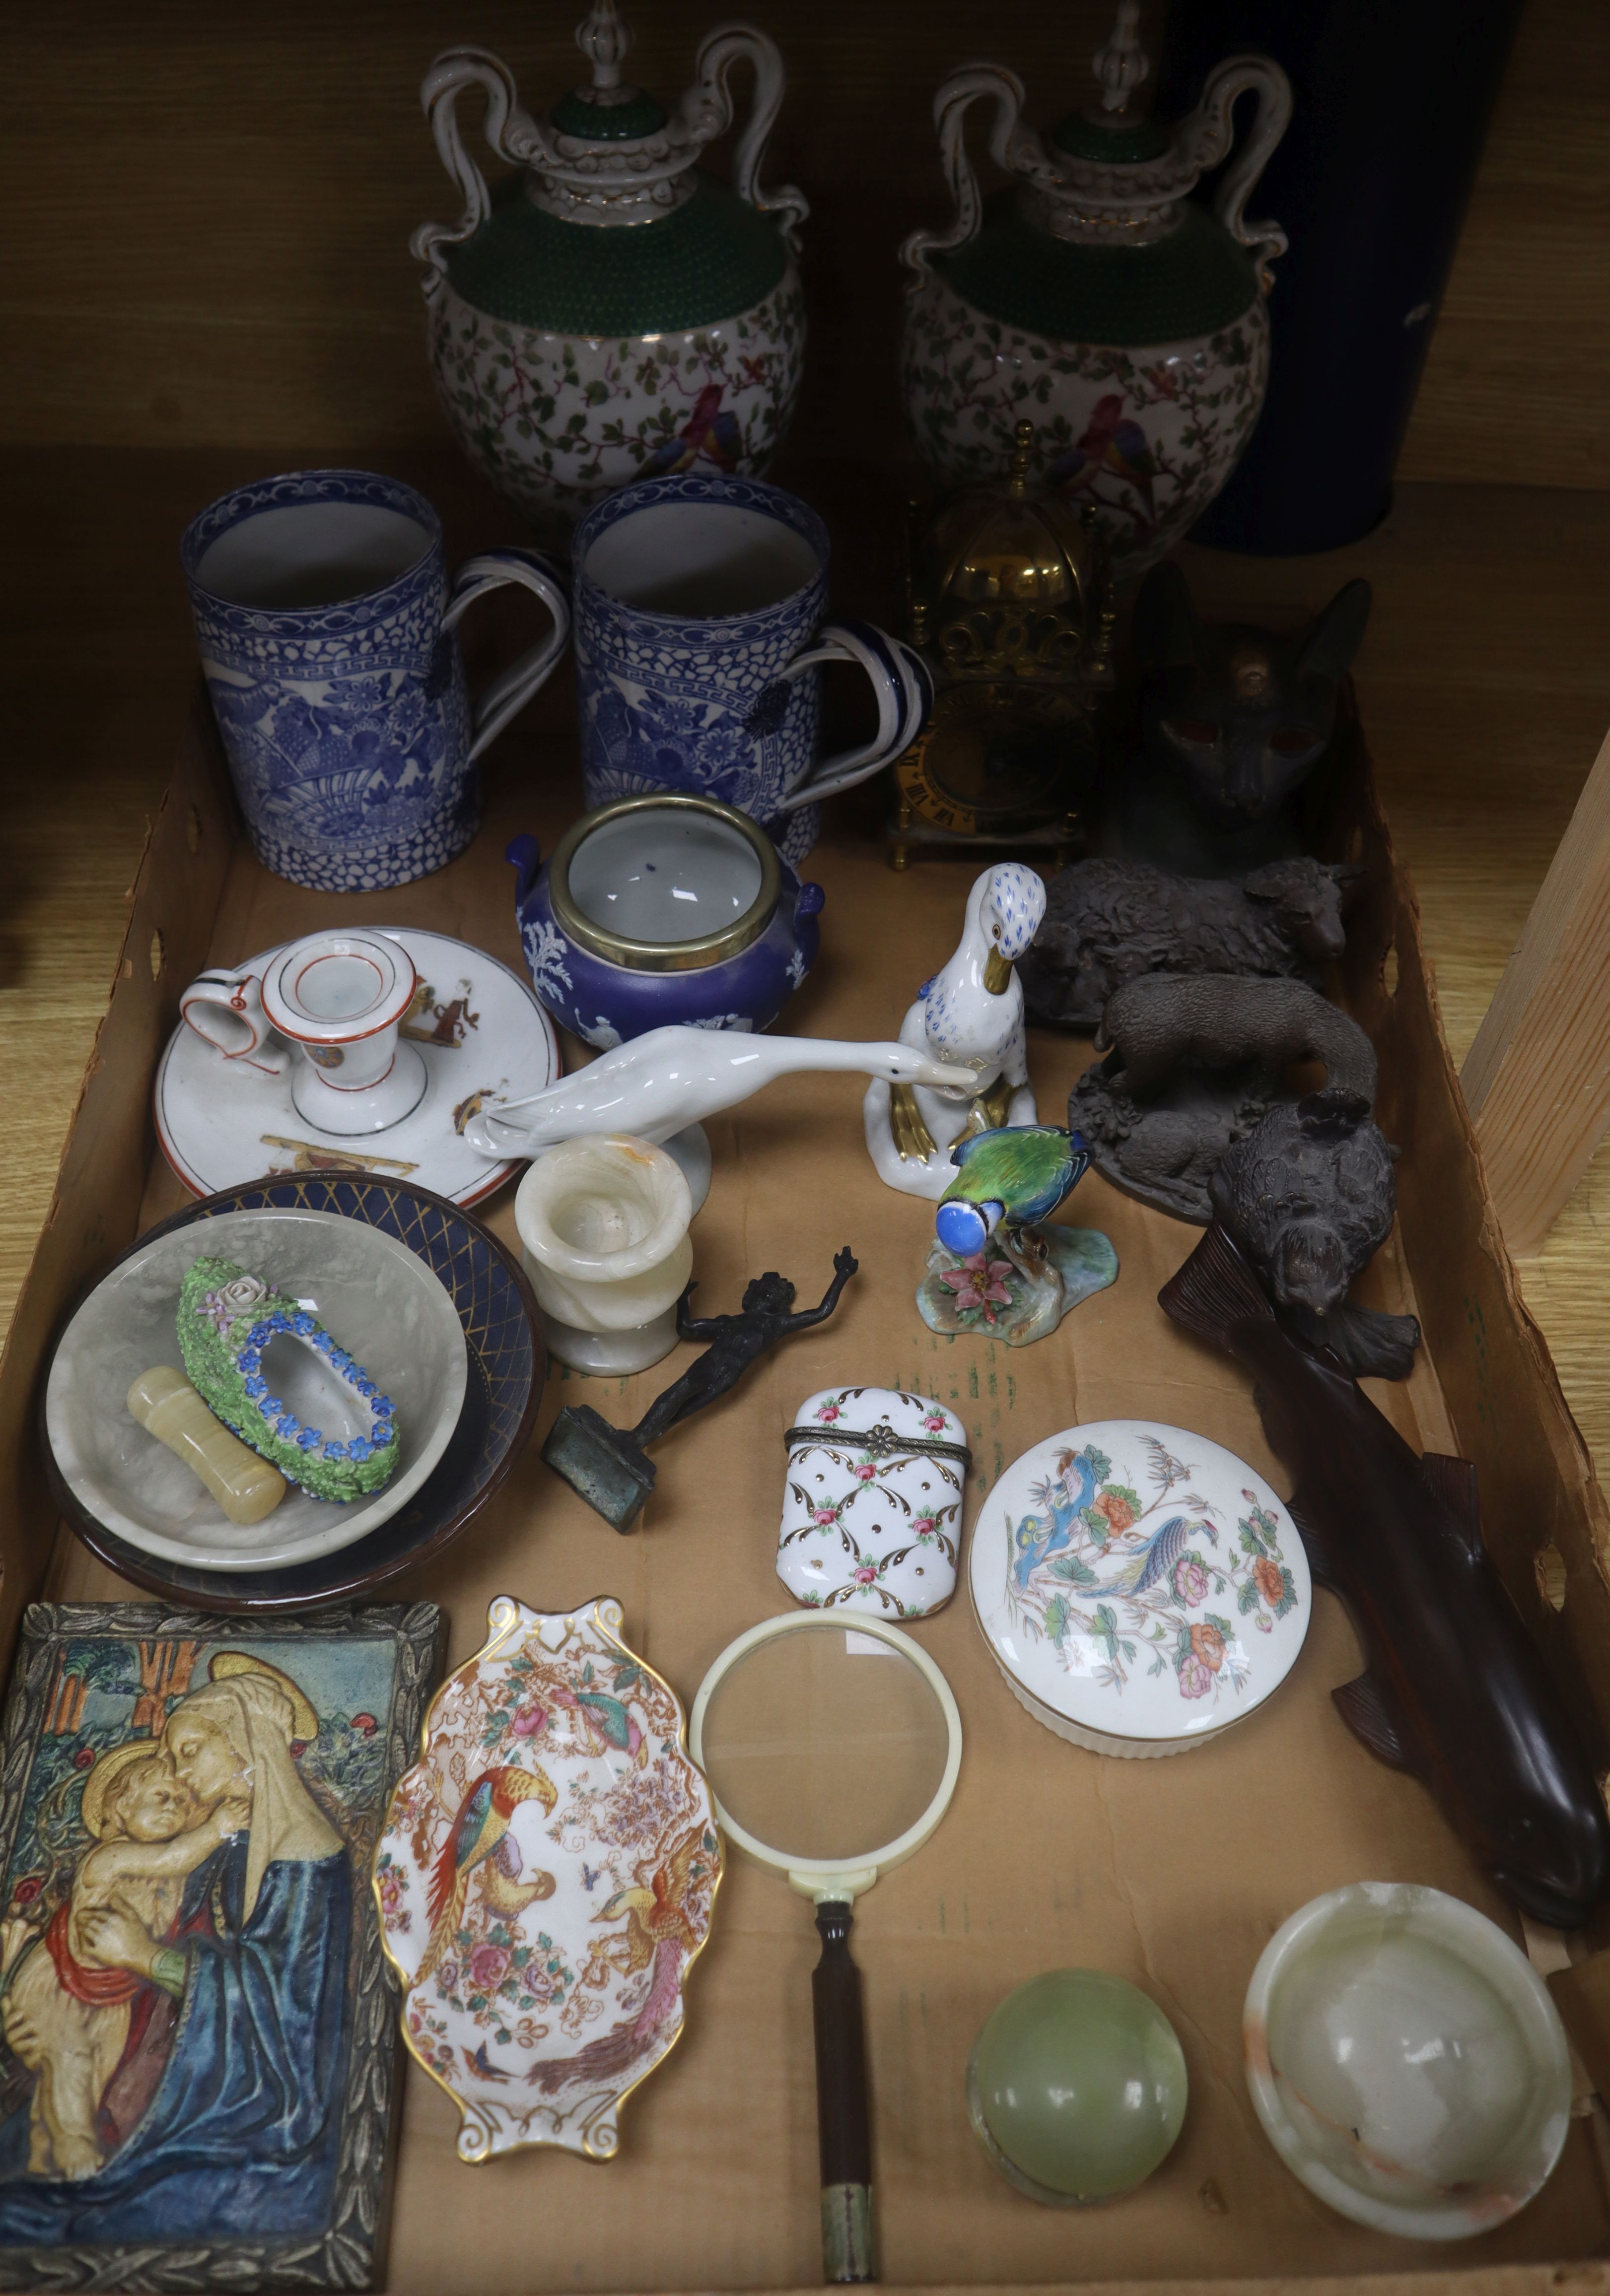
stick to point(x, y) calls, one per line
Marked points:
point(483, 1038)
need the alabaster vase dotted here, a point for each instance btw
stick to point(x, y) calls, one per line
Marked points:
point(603, 1223)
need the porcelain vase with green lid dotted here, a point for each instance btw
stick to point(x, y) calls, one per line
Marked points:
point(611, 311)
point(1097, 296)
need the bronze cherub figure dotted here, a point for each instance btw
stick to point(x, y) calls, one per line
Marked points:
point(609, 1466)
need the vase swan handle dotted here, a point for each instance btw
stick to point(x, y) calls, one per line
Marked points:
point(1013, 146)
point(452, 72)
point(1215, 128)
point(706, 111)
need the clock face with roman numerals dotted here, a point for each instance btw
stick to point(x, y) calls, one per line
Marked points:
point(994, 757)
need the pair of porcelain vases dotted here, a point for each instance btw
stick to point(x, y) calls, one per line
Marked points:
point(611, 311)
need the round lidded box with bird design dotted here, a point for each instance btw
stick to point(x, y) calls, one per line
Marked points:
point(544, 1878)
point(1140, 1588)
point(610, 310)
point(872, 1509)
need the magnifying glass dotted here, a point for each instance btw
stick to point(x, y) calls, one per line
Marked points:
point(831, 1750)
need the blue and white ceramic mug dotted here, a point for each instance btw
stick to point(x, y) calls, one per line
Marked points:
point(327, 627)
point(700, 641)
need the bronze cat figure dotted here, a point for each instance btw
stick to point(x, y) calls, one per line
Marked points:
point(1233, 720)
point(1453, 1691)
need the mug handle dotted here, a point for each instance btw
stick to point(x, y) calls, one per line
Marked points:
point(510, 691)
point(904, 687)
point(240, 1028)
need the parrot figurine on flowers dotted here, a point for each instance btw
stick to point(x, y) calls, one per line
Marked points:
point(994, 1269)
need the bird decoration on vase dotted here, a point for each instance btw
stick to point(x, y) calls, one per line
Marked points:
point(995, 1269)
point(657, 1937)
point(971, 1015)
point(478, 1838)
point(711, 434)
point(1114, 446)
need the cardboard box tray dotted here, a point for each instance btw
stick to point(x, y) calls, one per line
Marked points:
point(1173, 1873)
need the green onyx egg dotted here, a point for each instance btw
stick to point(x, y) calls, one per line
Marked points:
point(1077, 2087)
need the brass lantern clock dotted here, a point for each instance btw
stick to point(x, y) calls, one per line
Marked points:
point(1010, 601)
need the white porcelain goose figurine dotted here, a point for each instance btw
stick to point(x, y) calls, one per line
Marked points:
point(970, 1014)
point(659, 1085)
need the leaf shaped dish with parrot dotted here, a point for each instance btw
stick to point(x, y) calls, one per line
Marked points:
point(545, 1879)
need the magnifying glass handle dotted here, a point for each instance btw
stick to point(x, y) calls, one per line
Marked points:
point(842, 2128)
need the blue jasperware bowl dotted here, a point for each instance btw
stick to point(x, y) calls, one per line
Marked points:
point(659, 909)
point(507, 1364)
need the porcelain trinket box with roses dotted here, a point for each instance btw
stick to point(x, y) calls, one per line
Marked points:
point(872, 1511)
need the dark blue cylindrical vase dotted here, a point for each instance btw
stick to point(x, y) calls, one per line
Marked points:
point(1392, 98)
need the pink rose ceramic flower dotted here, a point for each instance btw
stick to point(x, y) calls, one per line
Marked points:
point(529, 1719)
point(827, 1411)
point(1190, 1580)
point(1195, 1681)
point(980, 1284)
point(825, 1515)
point(865, 1576)
point(866, 1472)
point(935, 1423)
point(390, 1892)
point(489, 1967)
point(925, 1526)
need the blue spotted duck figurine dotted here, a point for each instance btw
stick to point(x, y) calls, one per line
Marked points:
point(971, 1012)
point(996, 1267)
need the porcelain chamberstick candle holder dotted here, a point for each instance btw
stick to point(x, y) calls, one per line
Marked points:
point(230, 1087)
point(872, 1506)
point(545, 1878)
point(328, 632)
point(1140, 1588)
point(1095, 296)
point(700, 642)
point(339, 1000)
point(660, 910)
point(611, 310)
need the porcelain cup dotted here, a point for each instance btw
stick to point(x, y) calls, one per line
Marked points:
point(327, 627)
point(337, 999)
point(699, 644)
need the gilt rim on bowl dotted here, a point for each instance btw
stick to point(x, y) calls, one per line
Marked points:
point(665, 956)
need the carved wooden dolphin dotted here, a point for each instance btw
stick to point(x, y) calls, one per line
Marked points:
point(1454, 1690)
